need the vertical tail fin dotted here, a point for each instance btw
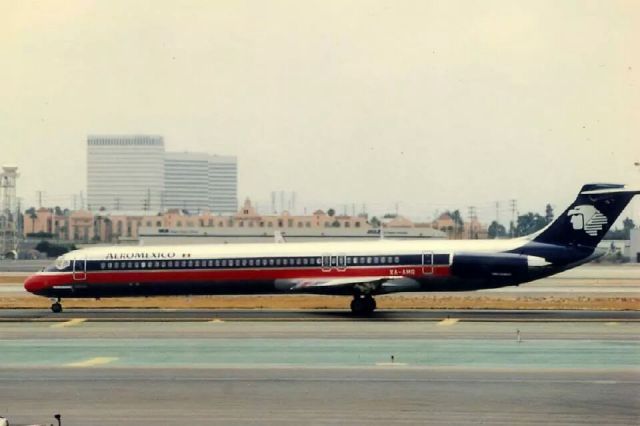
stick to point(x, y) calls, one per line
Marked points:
point(589, 217)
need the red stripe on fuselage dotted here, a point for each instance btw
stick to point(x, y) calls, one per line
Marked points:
point(39, 282)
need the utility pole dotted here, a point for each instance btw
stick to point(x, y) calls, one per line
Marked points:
point(472, 216)
point(39, 193)
point(514, 209)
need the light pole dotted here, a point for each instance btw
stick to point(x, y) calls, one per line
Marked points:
point(635, 213)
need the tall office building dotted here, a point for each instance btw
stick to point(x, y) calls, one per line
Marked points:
point(186, 181)
point(198, 181)
point(125, 172)
point(134, 173)
point(223, 184)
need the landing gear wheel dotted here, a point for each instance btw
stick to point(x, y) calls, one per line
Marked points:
point(363, 305)
point(56, 307)
point(370, 303)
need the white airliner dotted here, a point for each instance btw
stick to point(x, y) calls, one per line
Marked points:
point(358, 269)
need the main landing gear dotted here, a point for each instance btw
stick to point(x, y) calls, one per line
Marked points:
point(56, 307)
point(363, 304)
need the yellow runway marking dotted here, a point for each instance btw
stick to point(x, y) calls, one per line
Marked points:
point(69, 323)
point(390, 364)
point(448, 321)
point(101, 360)
point(216, 320)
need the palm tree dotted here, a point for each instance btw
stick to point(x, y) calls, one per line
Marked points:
point(33, 216)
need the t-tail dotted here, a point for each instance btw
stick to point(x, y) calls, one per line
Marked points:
point(585, 222)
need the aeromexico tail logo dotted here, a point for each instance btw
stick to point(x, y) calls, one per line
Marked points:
point(587, 218)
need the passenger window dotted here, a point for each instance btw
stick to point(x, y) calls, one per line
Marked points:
point(375, 259)
point(224, 263)
point(102, 265)
point(270, 262)
point(163, 265)
point(305, 261)
point(184, 264)
point(368, 260)
point(278, 262)
point(143, 265)
point(217, 263)
point(170, 264)
point(244, 262)
point(396, 259)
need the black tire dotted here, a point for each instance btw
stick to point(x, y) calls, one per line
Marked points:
point(56, 308)
point(357, 306)
point(363, 305)
point(370, 304)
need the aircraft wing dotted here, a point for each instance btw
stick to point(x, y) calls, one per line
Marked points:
point(373, 284)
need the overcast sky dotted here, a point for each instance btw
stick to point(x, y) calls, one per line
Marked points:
point(427, 104)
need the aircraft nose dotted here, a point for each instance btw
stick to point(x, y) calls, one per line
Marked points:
point(34, 284)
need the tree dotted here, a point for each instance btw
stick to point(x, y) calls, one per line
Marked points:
point(52, 250)
point(529, 223)
point(458, 224)
point(548, 214)
point(628, 225)
point(621, 234)
point(457, 217)
point(331, 212)
point(496, 230)
point(375, 222)
point(33, 216)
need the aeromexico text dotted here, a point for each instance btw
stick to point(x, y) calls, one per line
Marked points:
point(143, 255)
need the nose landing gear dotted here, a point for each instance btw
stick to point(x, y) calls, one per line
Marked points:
point(56, 307)
point(363, 305)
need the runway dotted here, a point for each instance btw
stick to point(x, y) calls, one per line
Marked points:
point(449, 371)
point(326, 366)
point(321, 396)
point(316, 315)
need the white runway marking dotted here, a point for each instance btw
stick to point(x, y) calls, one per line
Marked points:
point(101, 360)
point(69, 323)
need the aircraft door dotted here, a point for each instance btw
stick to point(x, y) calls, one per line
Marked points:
point(80, 269)
point(427, 263)
point(326, 263)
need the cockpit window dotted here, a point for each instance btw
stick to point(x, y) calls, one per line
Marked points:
point(62, 263)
